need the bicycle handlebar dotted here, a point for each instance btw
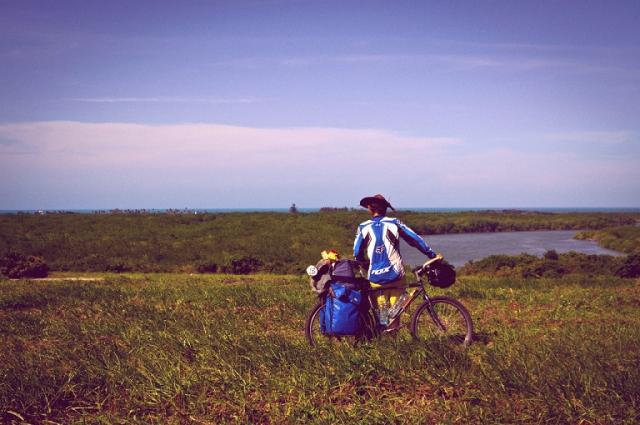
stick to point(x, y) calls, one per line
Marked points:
point(428, 263)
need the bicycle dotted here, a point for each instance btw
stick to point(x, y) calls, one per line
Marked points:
point(437, 317)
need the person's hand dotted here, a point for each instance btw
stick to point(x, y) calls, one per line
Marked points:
point(439, 256)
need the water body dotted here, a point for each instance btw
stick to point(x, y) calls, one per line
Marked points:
point(462, 247)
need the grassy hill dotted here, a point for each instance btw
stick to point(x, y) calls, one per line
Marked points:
point(219, 348)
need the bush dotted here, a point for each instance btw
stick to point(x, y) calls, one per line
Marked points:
point(552, 265)
point(15, 266)
point(118, 267)
point(630, 267)
point(207, 267)
point(245, 265)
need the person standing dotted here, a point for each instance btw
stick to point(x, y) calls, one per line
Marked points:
point(379, 240)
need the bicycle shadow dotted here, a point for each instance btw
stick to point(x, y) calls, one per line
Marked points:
point(485, 338)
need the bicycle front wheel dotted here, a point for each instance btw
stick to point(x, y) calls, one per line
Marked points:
point(444, 318)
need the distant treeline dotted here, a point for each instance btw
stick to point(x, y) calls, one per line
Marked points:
point(513, 220)
point(553, 265)
point(623, 239)
point(238, 242)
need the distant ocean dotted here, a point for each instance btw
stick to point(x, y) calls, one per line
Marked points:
point(284, 210)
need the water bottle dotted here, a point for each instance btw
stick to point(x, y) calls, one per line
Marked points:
point(397, 307)
point(383, 312)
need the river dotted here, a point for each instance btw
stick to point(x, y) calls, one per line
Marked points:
point(462, 247)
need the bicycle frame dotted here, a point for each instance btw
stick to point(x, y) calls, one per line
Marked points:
point(421, 291)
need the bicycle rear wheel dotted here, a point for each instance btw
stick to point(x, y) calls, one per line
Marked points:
point(444, 318)
point(315, 337)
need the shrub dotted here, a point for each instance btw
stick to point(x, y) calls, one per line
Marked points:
point(118, 267)
point(630, 267)
point(552, 265)
point(207, 267)
point(245, 265)
point(15, 266)
point(546, 268)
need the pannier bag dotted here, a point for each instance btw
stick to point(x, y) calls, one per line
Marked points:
point(340, 315)
point(441, 274)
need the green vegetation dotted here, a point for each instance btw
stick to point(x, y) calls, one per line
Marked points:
point(219, 348)
point(623, 239)
point(15, 265)
point(554, 265)
point(236, 242)
point(510, 220)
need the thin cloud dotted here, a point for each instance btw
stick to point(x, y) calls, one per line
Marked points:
point(457, 61)
point(602, 137)
point(166, 99)
point(142, 162)
point(256, 166)
point(124, 143)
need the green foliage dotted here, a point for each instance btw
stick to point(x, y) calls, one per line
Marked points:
point(244, 265)
point(207, 267)
point(630, 267)
point(278, 242)
point(551, 265)
point(623, 238)
point(551, 255)
point(510, 220)
point(226, 349)
point(15, 265)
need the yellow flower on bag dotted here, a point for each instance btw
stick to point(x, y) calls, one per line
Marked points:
point(331, 255)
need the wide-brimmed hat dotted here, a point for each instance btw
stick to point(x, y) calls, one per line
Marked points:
point(375, 199)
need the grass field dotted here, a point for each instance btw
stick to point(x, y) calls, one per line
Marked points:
point(219, 348)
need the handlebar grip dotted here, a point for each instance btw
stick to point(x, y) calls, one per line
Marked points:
point(433, 260)
point(428, 263)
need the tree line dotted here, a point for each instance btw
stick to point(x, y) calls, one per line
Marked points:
point(237, 242)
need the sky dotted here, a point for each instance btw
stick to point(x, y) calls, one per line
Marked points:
point(261, 104)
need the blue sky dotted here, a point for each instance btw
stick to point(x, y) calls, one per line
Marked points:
point(263, 103)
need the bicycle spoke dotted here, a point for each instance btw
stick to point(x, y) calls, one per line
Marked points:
point(443, 319)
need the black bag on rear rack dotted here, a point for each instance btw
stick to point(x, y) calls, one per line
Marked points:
point(343, 271)
point(441, 274)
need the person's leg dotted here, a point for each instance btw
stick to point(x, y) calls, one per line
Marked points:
point(378, 295)
point(394, 289)
point(388, 295)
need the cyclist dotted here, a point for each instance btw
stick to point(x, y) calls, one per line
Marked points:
point(379, 239)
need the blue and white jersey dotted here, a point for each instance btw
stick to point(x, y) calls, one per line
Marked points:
point(380, 238)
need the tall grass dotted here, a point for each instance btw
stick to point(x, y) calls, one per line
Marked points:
point(194, 349)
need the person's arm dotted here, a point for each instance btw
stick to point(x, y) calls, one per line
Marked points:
point(413, 239)
point(359, 246)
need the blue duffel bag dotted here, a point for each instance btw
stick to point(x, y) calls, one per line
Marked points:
point(341, 313)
